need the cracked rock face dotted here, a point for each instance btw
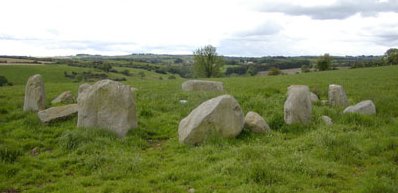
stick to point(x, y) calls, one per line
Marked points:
point(221, 116)
point(107, 104)
point(298, 106)
point(35, 96)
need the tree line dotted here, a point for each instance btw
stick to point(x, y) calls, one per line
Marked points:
point(207, 63)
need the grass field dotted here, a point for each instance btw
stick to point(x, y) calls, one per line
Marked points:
point(356, 154)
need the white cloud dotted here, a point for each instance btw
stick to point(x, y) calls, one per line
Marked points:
point(236, 27)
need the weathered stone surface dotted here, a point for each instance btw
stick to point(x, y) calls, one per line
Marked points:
point(202, 85)
point(65, 97)
point(337, 96)
point(35, 96)
point(298, 106)
point(82, 88)
point(256, 123)
point(314, 97)
point(327, 120)
point(107, 104)
point(365, 108)
point(57, 113)
point(220, 116)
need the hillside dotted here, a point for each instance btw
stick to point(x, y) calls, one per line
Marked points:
point(357, 154)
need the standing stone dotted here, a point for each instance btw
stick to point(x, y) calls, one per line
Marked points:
point(57, 113)
point(327, 120)
point(365, 108)
point(35, 96)
point(298, 107)
point(256, 123)
point(202, 85)
point(337, 96)
point(65, 97)
point(314, 97)
point(107, 104)
point(221, 116)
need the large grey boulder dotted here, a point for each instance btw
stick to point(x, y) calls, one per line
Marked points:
point(337, 96)
point(65, 97)
point(202, 85)
point(298, 106)
point(107, 104)
point(314, 97)
point(365, 108)
point(256, 123)
point(221, 116)
point(35, 96)
point(57, 113)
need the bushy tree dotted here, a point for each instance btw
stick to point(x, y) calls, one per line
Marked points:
point(207, 63)
point(324, 62)
point(391, 56)
point(274, 71)
point(4, 81)
point(252, 70)
point(305, 68)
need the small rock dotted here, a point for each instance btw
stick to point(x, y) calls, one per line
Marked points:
point(66, 98)
point(327, 120)
point(221, 116)
point(202, 85)
point(337, 96)
point(35, 151)
point(35, 96)
point(314, 97)
point(134, 89)
point(191, 190)
point(256, 123)
point(365, 108)
point(298, 106)
point(57, 113)
point(183, 101)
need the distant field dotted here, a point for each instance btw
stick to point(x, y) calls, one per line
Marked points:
point(19, 64)
point(357, 154)
point(294, 71)
point(53, 73)
point(15, 60)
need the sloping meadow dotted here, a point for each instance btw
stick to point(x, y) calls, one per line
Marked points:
point(357, 154)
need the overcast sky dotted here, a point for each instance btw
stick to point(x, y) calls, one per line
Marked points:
point(235, 27)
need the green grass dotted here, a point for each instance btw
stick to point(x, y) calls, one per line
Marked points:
point(357, 154)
